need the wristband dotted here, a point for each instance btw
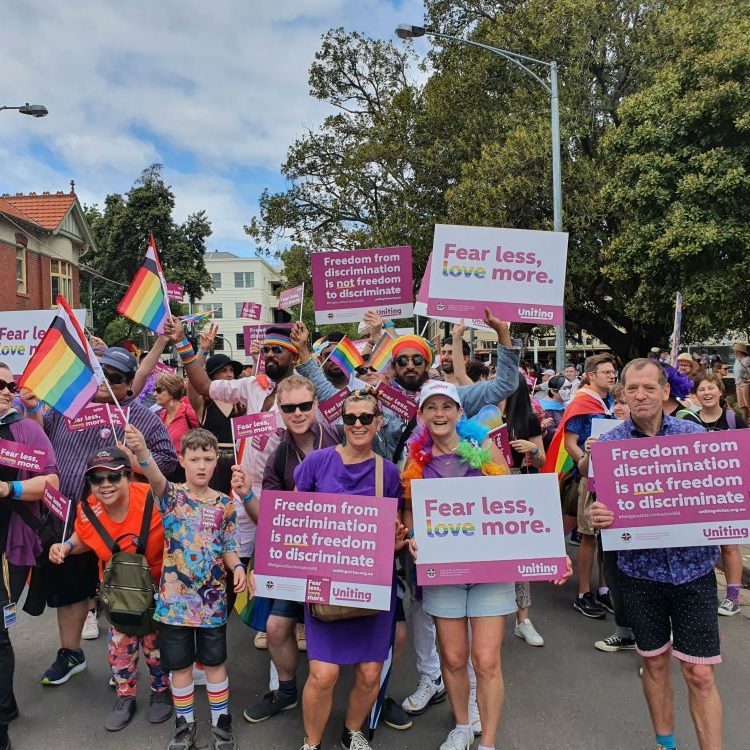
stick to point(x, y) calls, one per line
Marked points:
point(410, 535)
point(239, 565)
point(15, 490)
point(389, 324)
point(144, 464)
point(186, 352)
point(34, 409)
point(70, 544)
point(248, 497)
point(536, 453)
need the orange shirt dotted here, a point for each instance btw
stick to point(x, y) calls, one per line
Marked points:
point(130, 526)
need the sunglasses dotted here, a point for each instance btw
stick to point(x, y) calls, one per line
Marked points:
point(365, 419)
point(404, 359)
point(291, 408)
point(113, 477)
point(365, 370)
point(11, 385)
point(272, 350)
point(116, 378)
point(159, 389)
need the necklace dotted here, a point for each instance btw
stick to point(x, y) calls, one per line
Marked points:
point(710, 426)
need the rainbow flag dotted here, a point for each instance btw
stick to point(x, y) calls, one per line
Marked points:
point(145, 302)
point(346, 356)
point(63, 371)
point(198, 317)
point(380, 357)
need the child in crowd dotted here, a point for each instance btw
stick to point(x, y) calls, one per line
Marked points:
point(199, 547)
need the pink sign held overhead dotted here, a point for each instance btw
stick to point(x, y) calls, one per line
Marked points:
point(254, 425)
point(97, 415)
point(348, 283)
point(332, 407)
point(324, 548)
point(175, 292)
point(488, 529)
point(161, 369)
point(56, 503)
point(291, 297)
point(518, 273)
point(256, 333)
point(251, 310)
point(23, 457)
point(399, 403)
point(675, 490)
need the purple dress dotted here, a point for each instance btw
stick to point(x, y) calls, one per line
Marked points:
point(362, 639)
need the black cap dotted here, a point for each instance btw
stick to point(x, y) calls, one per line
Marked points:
point(120, 359)
point(216, 361)
point(113, 459)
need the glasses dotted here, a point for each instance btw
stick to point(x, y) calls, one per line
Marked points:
point(365, 419)
point(159, 389)
point(291, 408)
point(112, 477)
point(272, 350)
point(116, 378)
point(11, 385)
point(404, 359)
point(365, 370)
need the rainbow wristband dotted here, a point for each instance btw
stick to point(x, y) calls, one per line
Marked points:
point(186, 352)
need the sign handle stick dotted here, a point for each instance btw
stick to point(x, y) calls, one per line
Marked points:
point(424, 328)
point(302, 301)
point(117, 403)
point(65, 525)
point(111, 423)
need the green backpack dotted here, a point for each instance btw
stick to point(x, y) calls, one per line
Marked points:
point(127, 592)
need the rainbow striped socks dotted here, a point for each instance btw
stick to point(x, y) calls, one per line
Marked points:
point(218, 699)
point(183, 702)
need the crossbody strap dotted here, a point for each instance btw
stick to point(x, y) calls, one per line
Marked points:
point(112, 545)
point(378, 475)
point(148, 511)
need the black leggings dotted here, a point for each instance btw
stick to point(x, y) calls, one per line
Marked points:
point(18, 577)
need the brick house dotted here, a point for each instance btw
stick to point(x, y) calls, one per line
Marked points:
point(42, 237)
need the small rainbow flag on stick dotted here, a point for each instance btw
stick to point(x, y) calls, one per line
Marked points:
point(146, 301)
point(380, 357)
point(346, 356)
point(63, 371)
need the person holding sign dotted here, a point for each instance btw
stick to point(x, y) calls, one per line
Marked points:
point(669, 593)
point(349, 469)
point(20, 491)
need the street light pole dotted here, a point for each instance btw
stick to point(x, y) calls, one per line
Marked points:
point(35, 110)
point(406, 31)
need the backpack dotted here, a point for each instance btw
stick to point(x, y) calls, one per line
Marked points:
point(127, 592)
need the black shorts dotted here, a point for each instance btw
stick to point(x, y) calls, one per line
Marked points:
point(72, 582)
point(687, 611)
point(180, 646)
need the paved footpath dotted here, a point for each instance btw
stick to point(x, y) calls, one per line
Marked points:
point(566, 696)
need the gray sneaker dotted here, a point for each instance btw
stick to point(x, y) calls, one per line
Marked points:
point(184, 735)
point(271, 704)
point(160, 706)
point(728, 608)
point(119, 717)
point(222, 737)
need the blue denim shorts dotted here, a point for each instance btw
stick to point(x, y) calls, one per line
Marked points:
point(470, 600)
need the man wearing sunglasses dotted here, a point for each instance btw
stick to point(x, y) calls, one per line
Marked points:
point(69, 587)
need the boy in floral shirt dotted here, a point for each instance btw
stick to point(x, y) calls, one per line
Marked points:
point(199, 547)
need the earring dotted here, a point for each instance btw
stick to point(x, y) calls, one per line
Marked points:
point(128, 393)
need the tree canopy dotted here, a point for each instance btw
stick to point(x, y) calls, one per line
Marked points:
point(654, 121)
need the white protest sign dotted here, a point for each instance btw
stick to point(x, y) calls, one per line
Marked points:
point(600, 427)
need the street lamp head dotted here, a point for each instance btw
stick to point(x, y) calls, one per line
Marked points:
point(407, 31)
point(35, 110)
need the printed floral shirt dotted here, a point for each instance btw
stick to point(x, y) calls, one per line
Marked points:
point(673, 565)
point(193, 586)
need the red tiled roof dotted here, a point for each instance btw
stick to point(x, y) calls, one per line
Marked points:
point(47, 209)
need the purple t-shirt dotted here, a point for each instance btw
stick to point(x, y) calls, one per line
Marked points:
point(449, 466)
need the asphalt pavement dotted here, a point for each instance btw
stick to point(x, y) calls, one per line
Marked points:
point(565, 695)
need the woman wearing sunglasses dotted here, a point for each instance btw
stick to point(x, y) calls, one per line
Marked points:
point(19, 517)
point(349, 469)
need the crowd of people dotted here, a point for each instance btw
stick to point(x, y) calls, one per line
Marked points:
point(166, 490)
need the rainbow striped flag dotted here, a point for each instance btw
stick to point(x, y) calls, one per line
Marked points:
point(198, 317)
point(146, 300)
point(346, 356)
point(63, 371)
point(381, 355)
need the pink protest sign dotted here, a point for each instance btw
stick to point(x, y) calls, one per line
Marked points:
point(676, 490)
point(256, 333)
point(251, 310)
point(22, 456)
point(291, 297)
point(347, 283)
point(97, 415)
point(518, 273)
point(488, 529)
point(56, 503)
point(254, 425)
point(399, 403)
point(175, 292)
point(332, 407)
point(160, 368)
point(325, 548)
point(501, 439)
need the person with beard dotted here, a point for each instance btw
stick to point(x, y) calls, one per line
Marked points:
point(453, 369)
point(336, 376)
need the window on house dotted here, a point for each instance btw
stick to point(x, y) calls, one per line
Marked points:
point(240, 341)
point(216, 280)
point(219, 344)
point(21, 269)
point(244, 279)
point(61, 278)
point(200, 307)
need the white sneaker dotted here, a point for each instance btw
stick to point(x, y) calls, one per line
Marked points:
point(528, 632)
point(428, 692)
point(90, 630)
point(474, 719)
point(458, 739)
point(728, 608)
point(199, 676)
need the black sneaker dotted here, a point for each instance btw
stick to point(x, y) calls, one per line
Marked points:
point(184, 735)
point(271, 704)
point(222, 737)
point(121, 714)
point(160, 706)
point(615, 643)
point(606, 601)
point(589, 607)
point(394, 716)
point(67, 663)
point(354, 741)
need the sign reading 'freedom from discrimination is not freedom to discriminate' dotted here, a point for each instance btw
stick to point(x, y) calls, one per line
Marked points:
point(676, 490)
point(347, 284)
point(518, 273)
point(488, 529)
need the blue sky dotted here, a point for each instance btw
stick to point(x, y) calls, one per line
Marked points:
point(214, 91)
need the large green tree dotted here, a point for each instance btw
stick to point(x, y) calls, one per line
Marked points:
point(121, 230)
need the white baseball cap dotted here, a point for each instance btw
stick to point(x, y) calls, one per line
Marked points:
point(438, 388)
